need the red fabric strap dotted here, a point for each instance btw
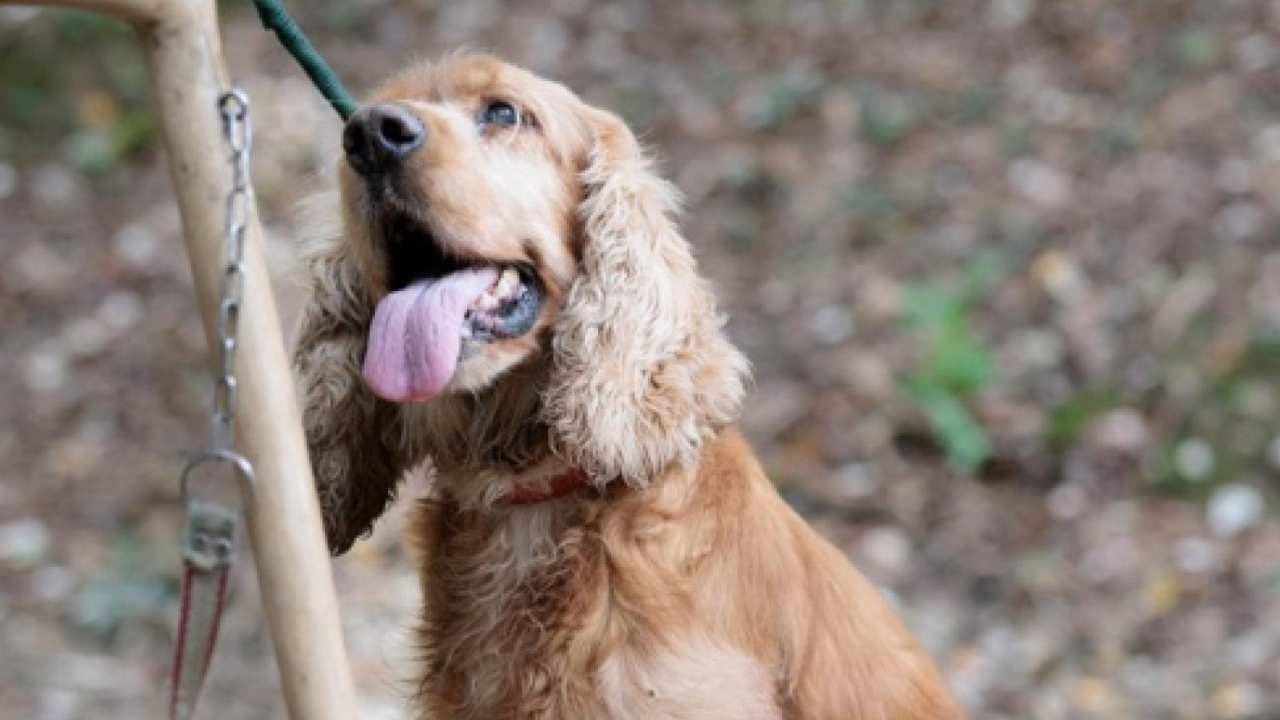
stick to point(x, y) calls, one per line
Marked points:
point(204, 594)
point(567, 482)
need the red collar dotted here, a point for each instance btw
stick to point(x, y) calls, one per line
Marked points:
point(569, 481)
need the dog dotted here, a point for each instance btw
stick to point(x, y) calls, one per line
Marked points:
point(510, 303)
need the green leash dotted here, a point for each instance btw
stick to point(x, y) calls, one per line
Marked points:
point(276, 19)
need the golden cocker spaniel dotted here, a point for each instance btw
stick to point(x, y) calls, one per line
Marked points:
point(510, 299)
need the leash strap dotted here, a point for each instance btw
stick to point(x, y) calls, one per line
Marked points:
point(207, 555)
point(276, 19)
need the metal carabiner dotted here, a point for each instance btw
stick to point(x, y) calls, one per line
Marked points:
point(229, 457)
point(209, 540)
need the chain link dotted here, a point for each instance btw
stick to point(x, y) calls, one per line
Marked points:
point(233, 105)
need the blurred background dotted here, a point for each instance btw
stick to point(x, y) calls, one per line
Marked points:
point(1008, 270)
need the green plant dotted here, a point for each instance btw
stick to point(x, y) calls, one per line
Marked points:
point(955, 363)
point(1069, 420)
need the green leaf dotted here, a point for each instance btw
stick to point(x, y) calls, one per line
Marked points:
point(932, 310)
point(960, 364)
point(963, 439)
point(1070, 419)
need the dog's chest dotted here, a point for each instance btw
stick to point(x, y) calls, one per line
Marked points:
point(508, 626)
point(528, 620)
point(694, 678)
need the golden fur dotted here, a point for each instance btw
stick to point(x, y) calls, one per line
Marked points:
point(680, 585)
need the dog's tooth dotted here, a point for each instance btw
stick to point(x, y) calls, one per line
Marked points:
point(507, 283)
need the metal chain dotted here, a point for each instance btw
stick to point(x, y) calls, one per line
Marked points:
point(234, 107)
point(211, 524)
point(209, 540)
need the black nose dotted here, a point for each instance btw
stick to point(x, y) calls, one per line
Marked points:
point(378, 137)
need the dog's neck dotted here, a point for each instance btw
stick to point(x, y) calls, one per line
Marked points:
point(499, 489)
point(490, 449)
point(540, 563)
point(518, 522)
point(569, 481)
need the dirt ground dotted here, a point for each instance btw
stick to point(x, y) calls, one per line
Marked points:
point(1008, 272)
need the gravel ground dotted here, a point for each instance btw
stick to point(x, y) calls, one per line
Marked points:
point(1008, 271)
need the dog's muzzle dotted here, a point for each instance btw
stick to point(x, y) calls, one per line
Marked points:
point(378, 138)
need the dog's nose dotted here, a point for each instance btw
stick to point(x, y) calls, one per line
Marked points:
point(378, 137)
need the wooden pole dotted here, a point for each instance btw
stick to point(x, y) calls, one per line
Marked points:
point(182, 43)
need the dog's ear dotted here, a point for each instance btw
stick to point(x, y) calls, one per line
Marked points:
point(641, 370)
point(354, 438)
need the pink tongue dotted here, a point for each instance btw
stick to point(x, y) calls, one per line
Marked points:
point(417, 332)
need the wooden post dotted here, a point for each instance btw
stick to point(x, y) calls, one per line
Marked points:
point(182, 43)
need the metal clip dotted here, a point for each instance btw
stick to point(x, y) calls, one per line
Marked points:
point(210, 537)
point(211, 526)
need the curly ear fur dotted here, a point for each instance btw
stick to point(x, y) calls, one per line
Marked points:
point(353, 437)
point(641, 371)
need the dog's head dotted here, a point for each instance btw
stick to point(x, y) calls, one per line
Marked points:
point(460, 188)
point(508, 261)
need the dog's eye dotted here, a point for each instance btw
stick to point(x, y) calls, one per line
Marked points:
point(500, 113)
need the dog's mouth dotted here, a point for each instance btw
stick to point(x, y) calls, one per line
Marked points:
point(507, 309)
point(438, 308)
